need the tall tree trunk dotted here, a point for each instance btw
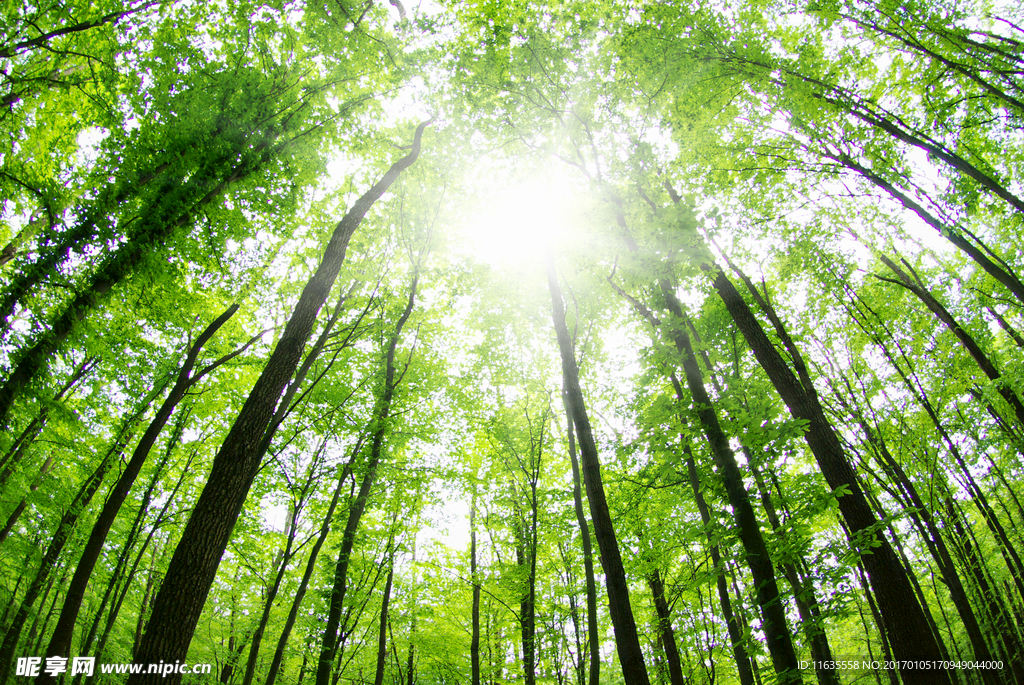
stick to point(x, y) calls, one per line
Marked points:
point(192, 569)
point(474, 644)
point(803, 594)
point(627, 641)
point(931, 535)
point(908, 630)
point(914, 284)
point(953, 234)
point(64, 531)
point(774, 624)
point(119, 582)
point(12, 520)
point(381, 414)
point(382, 638)
point(300, 592)
point(665, 632)
point(60, 640)
point(593, 634)
point(268, 603)
point(177, 201)
point(739, 651)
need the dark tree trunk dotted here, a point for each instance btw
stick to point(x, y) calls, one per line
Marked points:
point(381, 414)
point(474, 644)
point(774, 624)
point(268, 603)
point(382, 638)
point(908, 630)
point(191, 572)
point(914, 284)
point(178, 200)
point(932, 537)
point(732, 624)
point(666, 635)
point(12, 520)
point(63, 533)
point(780, 644)
point(803, 593)
point(119, 582)
point(951, 233)
point(24, 440)
point(627, 641)
point(593, 634)
point(60, 640)
point(300, 592)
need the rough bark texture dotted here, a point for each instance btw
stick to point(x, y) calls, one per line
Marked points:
point(182, 595)
point(627, 642)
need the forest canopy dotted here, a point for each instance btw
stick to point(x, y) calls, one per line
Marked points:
point(512, 342)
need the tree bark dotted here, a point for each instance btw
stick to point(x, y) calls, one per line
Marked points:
point(382, 638)
point(474, 644)
point(914, 284)
point(300, 592)
point(192, 569)
point(774, 624)
point(665, 632)
point(909, 632)
point(63, 533)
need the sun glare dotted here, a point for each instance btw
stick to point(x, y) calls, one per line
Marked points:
point(522, 223)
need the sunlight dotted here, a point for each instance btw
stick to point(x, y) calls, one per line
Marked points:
point(519, 225)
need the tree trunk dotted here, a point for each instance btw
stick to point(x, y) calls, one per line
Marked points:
point(300, 592)
point(746, 674)
point(382, 638)
point(627, 641)
point(60, 640)
point(593, 632)
point(932, 537)
point(909, 632)
point(381, 414)
point(774, 624)
point(21, 444)
point(780, 644)
point(192, 569)
point(916, 286)
point(177, 202)
point(268, 603)
point(474, 644)
point(665, 633)
point(64, 531)
point(12, 520)
point(803, 594)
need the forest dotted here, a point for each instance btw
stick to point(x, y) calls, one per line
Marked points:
point(512, 341)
